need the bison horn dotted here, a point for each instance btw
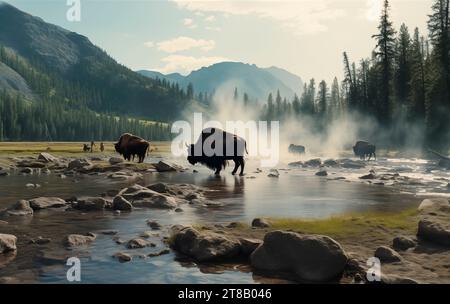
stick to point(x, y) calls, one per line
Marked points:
point(187, 146)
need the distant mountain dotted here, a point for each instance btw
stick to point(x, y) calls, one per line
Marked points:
point(76, 71)
point(224, 77)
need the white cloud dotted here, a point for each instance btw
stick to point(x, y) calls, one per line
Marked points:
point(149, 44)
point(213, 28)
point(210, 18)
point(298, 16)
point(185, 64)
point(189, 23)
point(185, 43)
point(373, 9)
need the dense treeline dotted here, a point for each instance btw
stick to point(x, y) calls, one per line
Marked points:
point(404, 85)
point(61, 110)
point(48, 121)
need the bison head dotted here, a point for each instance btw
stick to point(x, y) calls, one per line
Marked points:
point(117, 147)
point(191, 158)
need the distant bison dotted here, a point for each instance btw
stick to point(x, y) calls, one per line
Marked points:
point(296, 149)
point(229, 147)
point(364, 149)
point(130, 145)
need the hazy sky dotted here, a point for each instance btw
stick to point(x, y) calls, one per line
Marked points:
point(303, 36)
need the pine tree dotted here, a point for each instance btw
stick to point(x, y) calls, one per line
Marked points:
point(385, 54)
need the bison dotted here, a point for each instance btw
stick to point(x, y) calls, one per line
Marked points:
point(230, 147)
point(364, 149)
point(296, 149)
point(130, 145)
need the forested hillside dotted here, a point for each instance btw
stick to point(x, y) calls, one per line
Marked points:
point(63, 72)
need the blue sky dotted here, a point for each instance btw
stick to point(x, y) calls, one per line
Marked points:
point(306, 37)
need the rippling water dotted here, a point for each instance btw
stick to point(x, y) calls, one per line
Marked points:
point(296, 193)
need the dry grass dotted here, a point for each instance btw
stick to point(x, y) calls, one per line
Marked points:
point(65, 148)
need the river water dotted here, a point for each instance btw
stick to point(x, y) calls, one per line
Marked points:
point(296, 193)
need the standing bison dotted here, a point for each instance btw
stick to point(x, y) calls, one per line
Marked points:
point(364, 149)
point(215, 147)
point(130, 145)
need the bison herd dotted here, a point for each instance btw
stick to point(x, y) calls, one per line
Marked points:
point(224, 146)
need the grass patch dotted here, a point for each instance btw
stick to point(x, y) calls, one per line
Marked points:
point(350, 224)
point(67, 148)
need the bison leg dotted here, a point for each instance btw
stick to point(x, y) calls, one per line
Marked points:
point(217, 171)
point(242, 166)
point(237, 163)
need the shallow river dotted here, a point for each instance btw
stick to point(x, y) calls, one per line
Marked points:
point(296, 193)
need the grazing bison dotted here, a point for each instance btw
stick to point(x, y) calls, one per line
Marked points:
point(215, 147)
point(295, 149)
point(130, 145)
point(364, 149)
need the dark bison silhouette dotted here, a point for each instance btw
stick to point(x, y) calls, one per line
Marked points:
point(229, 147)
point(364, 149)
point(130, 145)
point(296, 149)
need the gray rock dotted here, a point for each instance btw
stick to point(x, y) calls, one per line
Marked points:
point(31, 164)
point(127, 176)
point(322, 173)
point(45, 171)
point(317, 162)
point(47, 202)
point(21, 208)
point(78, 164)
point(205, 246)
point(47, 157)
point(119, 203)
point(296, 164)
point(115, 160)
point(435, 204)
point(91, 204)
point(273, 173)
point(260, 223)
point(75, 240)
point(403, 243)
point(149, 199)
point(159, 253)
point(7, 243)
point(26, 170)
point(4, 172)
point(122, 257)
point(154, 225)
point(330, 163)
point(139, 243)
point(311, 258)
point(387, 255)
point(164, 166)
point(433, 232)
point(40, 240)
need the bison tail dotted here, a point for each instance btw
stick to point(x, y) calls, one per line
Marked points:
point(148, 150)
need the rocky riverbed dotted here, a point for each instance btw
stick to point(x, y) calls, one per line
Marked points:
point(187, 226)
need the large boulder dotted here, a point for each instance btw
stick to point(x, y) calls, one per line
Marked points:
point(164, 166)
point(119, 203)
point(47, 202)
point(434, 232)
point(435, 204)
point(260, 223)
point(139, 243)
point(21, 208)
point(75, 240)
point(91, 204)
point(148, 198)
point(387, 255)
point(403, 243)
point(313, 258)
point(7, 243)
point(317, 162)
point(205, 246)
point(47, 157)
